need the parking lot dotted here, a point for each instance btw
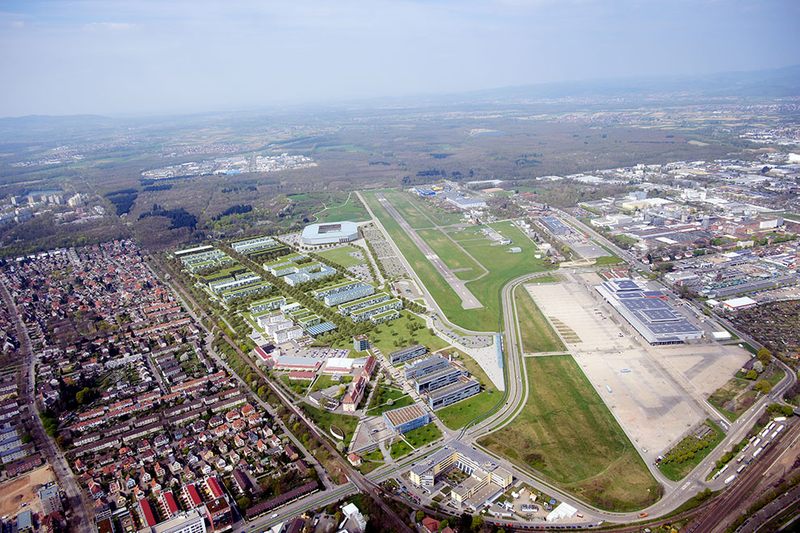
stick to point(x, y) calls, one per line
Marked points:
point(655, 392)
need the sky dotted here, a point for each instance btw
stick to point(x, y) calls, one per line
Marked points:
point(131, 57)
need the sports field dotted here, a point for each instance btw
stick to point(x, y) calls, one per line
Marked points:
point(537, 335)
point(566, 433)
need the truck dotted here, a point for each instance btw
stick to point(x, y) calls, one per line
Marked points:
point(757, 452)
point(739, 470)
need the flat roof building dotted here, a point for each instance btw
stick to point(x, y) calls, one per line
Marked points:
point(404, 419)
point(406, 354)
point(485, 478)
point(425, 366)
point(454, 392)
point(648, 312)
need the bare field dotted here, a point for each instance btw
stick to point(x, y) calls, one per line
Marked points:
point(23, 490)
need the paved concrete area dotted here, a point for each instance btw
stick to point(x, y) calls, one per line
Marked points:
point(656, 393)
point(468, 300)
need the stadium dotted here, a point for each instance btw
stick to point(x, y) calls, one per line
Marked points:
point(332, 233)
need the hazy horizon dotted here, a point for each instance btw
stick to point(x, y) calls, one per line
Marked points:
point(129, 58)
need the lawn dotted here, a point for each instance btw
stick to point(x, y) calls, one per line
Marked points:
point(351, 209)
point(298, 386)
point(325, 419)
point(342, 256)
point(324, 381)
point(417, 438)
point(384, 394)
point(537, 335)
point(688, 453)
point(370, 461)
point(385, 335)
point(474, 408)
point(565, 432)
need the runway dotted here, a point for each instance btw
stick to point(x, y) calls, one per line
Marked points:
point(468, 300)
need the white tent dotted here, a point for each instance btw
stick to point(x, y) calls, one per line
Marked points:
point(561, 512)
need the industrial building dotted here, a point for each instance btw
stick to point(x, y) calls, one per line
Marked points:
point(485, 478)
point(648, 312)
point(333, 233)
point(404, 419)
point(406, 354)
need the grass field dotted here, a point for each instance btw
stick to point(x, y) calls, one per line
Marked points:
point(453, 255)
point(422, 213)
point(385, 335)
point(688, 453)
point(384, 394)
point(537, 335)
point(502, 266)
point(416, 438)
point(324, 381)
point(608, 260)
point(370, 461)
point(325, 419)
point(299, 386)
point(351, 209)
point(341, 256)
point(565, 432)
point(435, 283)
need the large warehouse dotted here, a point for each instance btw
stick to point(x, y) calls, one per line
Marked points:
point(648, 312)
point(332, 233)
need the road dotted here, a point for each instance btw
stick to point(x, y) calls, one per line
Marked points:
point(77, 501)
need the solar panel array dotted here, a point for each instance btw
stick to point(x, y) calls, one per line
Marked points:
point(648, 312)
